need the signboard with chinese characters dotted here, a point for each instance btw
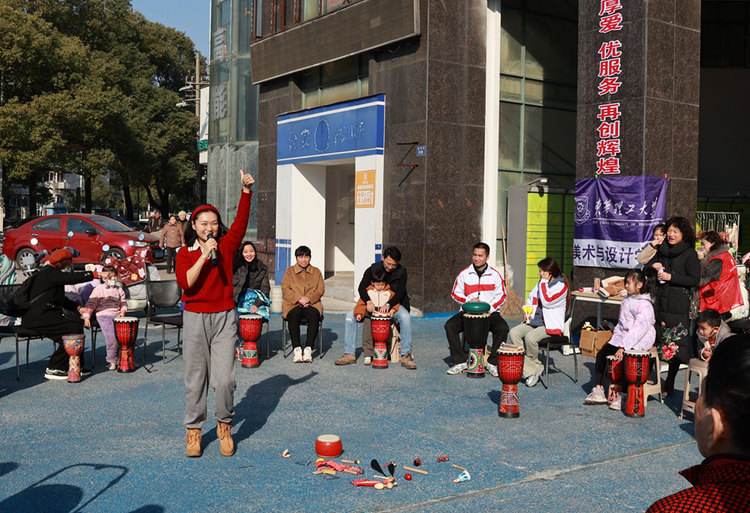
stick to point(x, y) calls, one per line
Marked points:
point(364, 189)
point(610, 70)
point(349, 129)
point(614, 218)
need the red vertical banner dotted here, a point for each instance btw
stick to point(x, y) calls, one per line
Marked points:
point(609, 73)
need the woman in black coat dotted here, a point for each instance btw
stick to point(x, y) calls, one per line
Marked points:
point(250, 276)
point(45, 315)
point(677, 265)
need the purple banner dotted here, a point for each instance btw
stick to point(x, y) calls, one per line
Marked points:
point(615, 218)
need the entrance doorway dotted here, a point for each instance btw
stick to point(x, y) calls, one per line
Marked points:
point(339, 232)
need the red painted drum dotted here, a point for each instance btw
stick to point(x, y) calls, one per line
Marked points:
point(614, 372)
point(251, 326)
point(509, 369)
point(381, 331)
point(73, 345)
point(636, 375)
point(328, 446)
point(126, 333)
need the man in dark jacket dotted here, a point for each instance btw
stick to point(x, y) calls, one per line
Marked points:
point(45, 315)
point(395, 277)
point(156, 223)
point(721, 483)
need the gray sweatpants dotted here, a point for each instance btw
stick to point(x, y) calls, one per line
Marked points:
point(209, 358)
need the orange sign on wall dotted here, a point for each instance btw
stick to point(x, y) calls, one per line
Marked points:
point(364, 189)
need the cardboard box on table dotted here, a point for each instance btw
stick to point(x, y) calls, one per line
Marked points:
point(592, 341)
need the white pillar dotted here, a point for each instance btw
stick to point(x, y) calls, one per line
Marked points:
point(490, 229)
point(368, 222)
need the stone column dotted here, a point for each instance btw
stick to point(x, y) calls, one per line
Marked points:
point(645, 56)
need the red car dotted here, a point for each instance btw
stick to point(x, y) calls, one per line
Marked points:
point(96, 237)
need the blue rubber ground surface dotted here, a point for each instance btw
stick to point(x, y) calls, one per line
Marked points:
point(115, 442)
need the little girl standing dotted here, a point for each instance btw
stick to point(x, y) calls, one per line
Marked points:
point(107, 301)
point(634, 330)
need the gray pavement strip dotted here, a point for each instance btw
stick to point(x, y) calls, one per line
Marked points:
point(546, 476)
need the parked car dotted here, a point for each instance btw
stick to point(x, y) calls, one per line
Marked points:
point(96, 237)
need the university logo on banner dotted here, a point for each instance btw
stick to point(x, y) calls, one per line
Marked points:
point(615, 217)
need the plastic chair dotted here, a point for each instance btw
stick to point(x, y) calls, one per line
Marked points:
point(700, 368)
point(557, 342)
point(17, 332)
point(303, 322)
point(653, 385)
point(165, 295)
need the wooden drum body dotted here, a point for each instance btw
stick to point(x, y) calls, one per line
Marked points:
point(73, 345)
point(251, 326)
point(476, 325)
point(509, 370)
point(126, 333)
point(381, 331)
point(637, 365)
point(614, 372)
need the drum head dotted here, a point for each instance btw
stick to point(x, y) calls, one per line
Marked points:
point(475, 307)
point(637, 353)
point(126, 319)
point(329, 438)
point(380, 317)
point(250, 316)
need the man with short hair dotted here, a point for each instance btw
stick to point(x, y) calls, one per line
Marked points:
point(721, 483)
point(478, 282)
point(395, 277)
point(156, 223)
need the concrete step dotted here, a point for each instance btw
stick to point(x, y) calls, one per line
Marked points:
point(341, 286)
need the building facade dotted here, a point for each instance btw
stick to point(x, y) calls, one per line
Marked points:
point(480, 104)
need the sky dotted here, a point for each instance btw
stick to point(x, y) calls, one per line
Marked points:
point(189, 16)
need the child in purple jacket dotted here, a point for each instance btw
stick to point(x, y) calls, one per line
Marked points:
point(634, 330)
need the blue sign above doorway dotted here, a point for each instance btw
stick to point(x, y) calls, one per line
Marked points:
point(348, 129)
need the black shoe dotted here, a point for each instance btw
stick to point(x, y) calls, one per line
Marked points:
point(85, 372)
point(55, 374)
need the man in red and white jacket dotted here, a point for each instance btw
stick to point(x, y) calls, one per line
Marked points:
point(478, 282)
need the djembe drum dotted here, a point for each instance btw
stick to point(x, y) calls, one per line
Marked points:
point(476, 320)
point(73, 345)
point(636, 375)
point(126, 332)
point(509, 369)
point(251, 326)
point(381, 331)
point(614, 371)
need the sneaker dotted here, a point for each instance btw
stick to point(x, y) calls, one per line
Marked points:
point(492, 369)
point(408, 362)
point(617, 403)
point(55, 374)
point(458, 369)
point(85, 372)
point(534, 378)
point(368, 360)
point(224, 433)
point(307, 358)
point(193, 439)
point(596, 397)
point(347, 359)
point(297, 355)
point(111, 366)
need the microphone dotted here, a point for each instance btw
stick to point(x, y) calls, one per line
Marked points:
point(214, 260)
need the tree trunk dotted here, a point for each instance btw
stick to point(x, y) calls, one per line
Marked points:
point(89, 202)
point(164, 197)
point(32, 195)
point(128, 202)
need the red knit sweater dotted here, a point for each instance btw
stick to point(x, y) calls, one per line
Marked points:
point(213, 290)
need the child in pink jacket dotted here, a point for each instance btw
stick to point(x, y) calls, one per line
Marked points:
point(634, 330)
point(107, 301)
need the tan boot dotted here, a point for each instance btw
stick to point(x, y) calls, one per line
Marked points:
point(408, 362)
point(224, 432)
point(193, 439)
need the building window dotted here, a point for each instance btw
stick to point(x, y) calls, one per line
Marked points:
point(724, 34)
point(337, 81)
point(278, 15)
point(538, 90)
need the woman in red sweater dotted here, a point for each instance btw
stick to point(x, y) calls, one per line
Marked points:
point(204, 272)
